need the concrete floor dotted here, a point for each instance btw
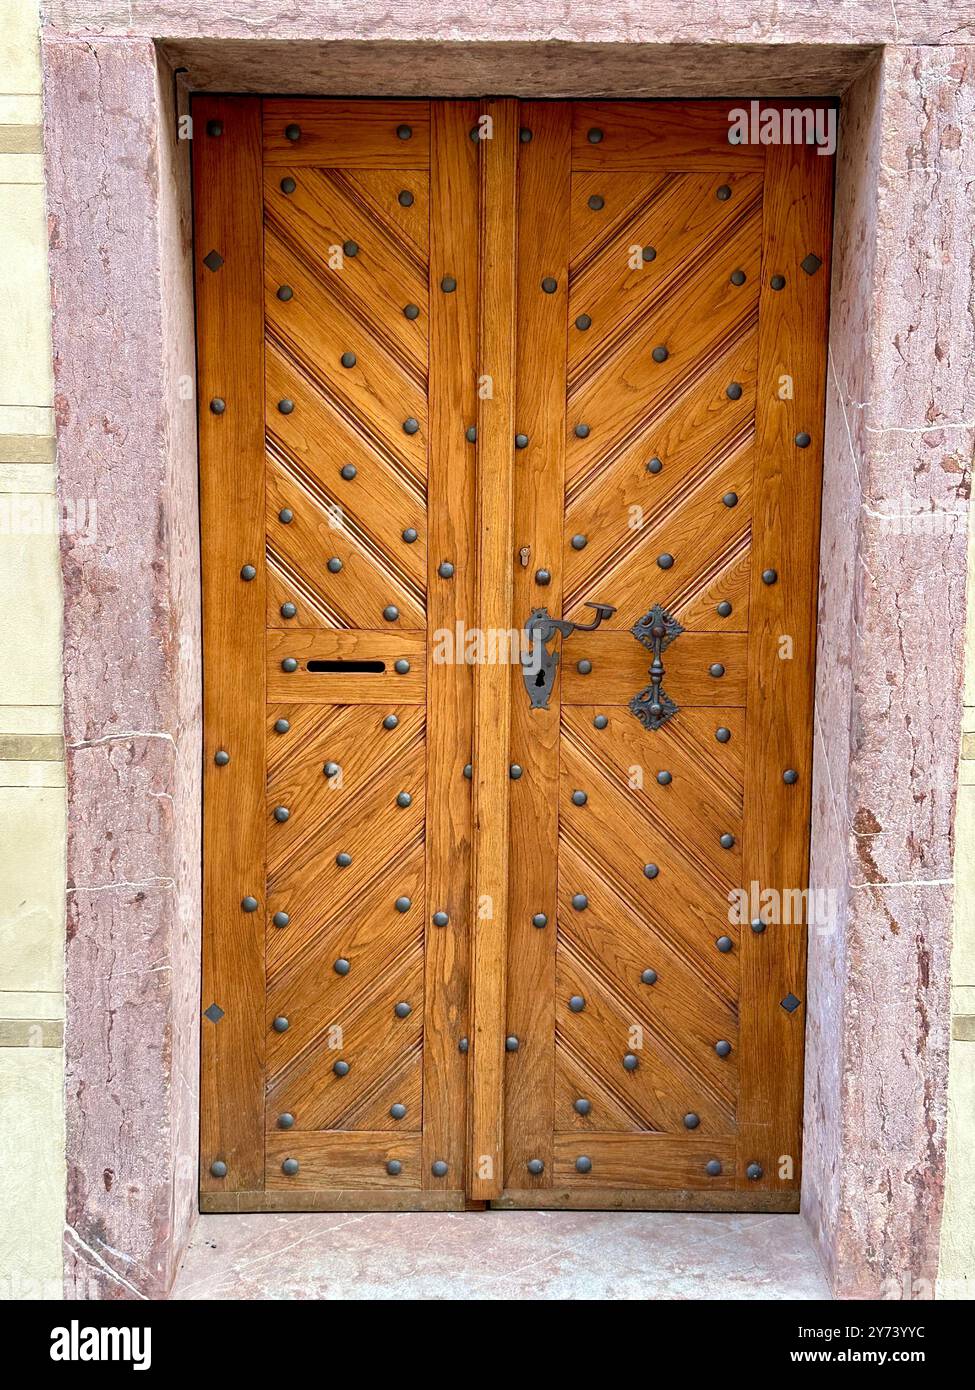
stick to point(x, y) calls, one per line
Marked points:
point(501, 1255)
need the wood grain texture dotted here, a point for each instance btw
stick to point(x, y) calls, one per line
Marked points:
point(684, 135)
point(347, 134)
point(227, 197)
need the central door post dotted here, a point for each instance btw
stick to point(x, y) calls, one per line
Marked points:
point(494, 492)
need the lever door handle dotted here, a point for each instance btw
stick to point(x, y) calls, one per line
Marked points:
point(540, 661)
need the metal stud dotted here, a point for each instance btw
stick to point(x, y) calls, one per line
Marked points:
point(665, 561)
point(391, 612)
point(730, 499)
point(289, 664)
point(550, 284)
point(351, 248)
point(410, 535)
point(391, 721)
point(394, 1167)
point(660, 353)
point(757, 926)
point(218, 405)
point(722, 734)
point(285, 292)
point(401, 666)
point(281, 813)
point(249, 904)
point(754, 1171)
point(463, 1045)
point(648, 977)
point(341, 1068)
point(535, 1166)
point(691, 1121)
point(521, 441)
point(403, 799)
point(577, 1003)
point(525, 135)
point(280, 919)
point(723, 609)
point(723, 193)
point(724, 944)
point(713, 1167)
point(655, 466)
point(596, 203)
point(738, 277)
point(448, 284)
point(649, 253)
point(777, 282)
point(445, 569)
point(214, 1013)
point(215, 128)
point(286, 406)
point(790, 1003)
point(331, 769)
point(404, 132)
point(733, 391)
point(290, 1166)
point(543, 577)
point(403, 904)
point(293, 132)
point(286, 516)
point(438, 1168)
point(579, 798)
point(288, 185)
point(583, 1164)
point(583, 323)
point(716, 670)
point(511, 1044)
point(580, 902)
point(540, 920)
point(803, 441)
point(218, 1169)
point(727, 841)
point(594, 136)
point(579, 542)
point(343, 859)
point(410, 426)
point(810, 263)
point(468, 771)
point(348, 359)
point(582, 1106)
point(515, 772)
point(584, 667)
point(213, 261)
point(405, 198)
point(582, 431)
point(440, 919)
point(411, 311)
point(722, 1047)
point(286, 1121)
point(650, 871)
point(403, 1009)
point(348, 471)
point(600, 721)
point(281, 1024)
point(769, 576)
point(221, 757)
point(248, 572)
point(631, 1061)
point(665, 778)
point(790, 776)
point(398, 1111)
point(341, 966)
point(281, 726)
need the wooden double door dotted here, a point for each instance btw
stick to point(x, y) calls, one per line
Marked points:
point(510, 437)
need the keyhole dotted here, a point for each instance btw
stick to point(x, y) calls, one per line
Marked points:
point(540, 680)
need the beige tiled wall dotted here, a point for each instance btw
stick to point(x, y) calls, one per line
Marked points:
point(32, 815)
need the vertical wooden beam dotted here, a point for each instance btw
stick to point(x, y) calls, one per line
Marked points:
point(539, 492)
point(228, 256)
point(492, 709)
point(449, 703)
point(787, 488)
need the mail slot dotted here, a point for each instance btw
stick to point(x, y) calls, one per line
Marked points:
point(374, 668)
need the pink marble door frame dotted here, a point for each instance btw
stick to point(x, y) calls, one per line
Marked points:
point(898, 447)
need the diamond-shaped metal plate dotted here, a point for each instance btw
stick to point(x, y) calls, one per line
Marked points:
point(652, 713)
point(214, 1013)
point(213, 260)
point(810, 264)
point(790, 1003)
point(642, 629)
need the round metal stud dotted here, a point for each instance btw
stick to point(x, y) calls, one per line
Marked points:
point(754, 1171)
point(411, 311)
point(631, 1061)
point(394, 1167)
point(584, 667)
point(580, 902)
point(288, 185)
point(348, 471)
point(733, 391)
point(331, 769)
point(583, 323)
point(724, 944)
point(648, 977)
point(285, 292)
point(343, 859)
point(448, 284)
point(404, 132)
point(440, 919)
point(594, 136)
point(650, 871)
point(579, 798)
point(655, 466)
point(790, 776)
point(410, 426)
point(723, 609)
point(665, 778)
point(391, 612)
point(221, 757)
point(769, 576)
point(803, 440)
point(341, 1068)
point(525, 135)
point(730, 499)
point(351, 248)
point(403, 904)
point(582, 1106)
point(468, 771)
point(713, 1167)
point(348, 359)
point(577, 1003)
point(716, 670)
point(405, 198)
point(398, 1111)
point(293, 132)
point(660, 353)
point(410, 534)
point(281, 726)
point(543, 577)
point(286, 406)
point(438, 1168)
point(391, 721)
point(281, 1024)
point(691, 1121)
point(515, 771)
point(535, 1166)
point(649, 253)
point(470, 434)
point(218, 1169)
point(738, 277)
point(777, 282)
point(401, 666)
point(722, 734)
point(583, 1164)
point(218, 405)
point(757, 926)
point(521, 441)
point(582, 431)
point(727, 841)
point(511, 1044)
point(288, 610)
point(550, 284)
point(341, 966)
point(403, 1009)
point(215, 128)
point(463, 1045)
point(249, 904)
point(540, 920)
point(280, 919)
point(723, 193)
point(722, 1048)
point(403, 799)
point(665, 561)
point(579, 542)
point(597, 203)
point(286, 1121)
point(281, 813)
point(248, 572)
point(286, 516)
point(600, 722)
point(290, 1166)
point(445, 569)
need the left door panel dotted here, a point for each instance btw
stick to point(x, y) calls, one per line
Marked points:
point(337, 319)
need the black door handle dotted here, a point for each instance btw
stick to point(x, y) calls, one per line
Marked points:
point(539, 661)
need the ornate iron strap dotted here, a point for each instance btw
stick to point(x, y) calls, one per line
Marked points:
point(655, 630)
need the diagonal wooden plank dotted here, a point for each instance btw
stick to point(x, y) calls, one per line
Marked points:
point(400, 199)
